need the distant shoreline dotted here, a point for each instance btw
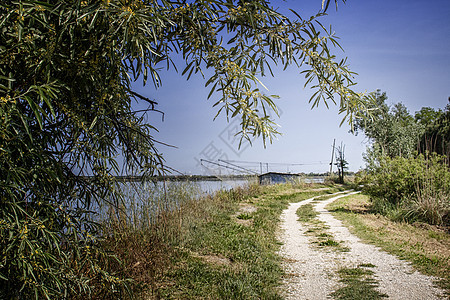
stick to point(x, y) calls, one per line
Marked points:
point(191, 177)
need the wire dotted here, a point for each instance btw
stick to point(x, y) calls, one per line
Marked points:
point(217, 164)
point(275, 163)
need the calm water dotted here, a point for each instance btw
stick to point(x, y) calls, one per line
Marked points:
point(143, 201)
point(210, 187)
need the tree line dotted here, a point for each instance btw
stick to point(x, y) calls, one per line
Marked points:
point(408, 175)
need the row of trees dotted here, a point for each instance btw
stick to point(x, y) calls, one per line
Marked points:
point(394, 132)
point(408, 161)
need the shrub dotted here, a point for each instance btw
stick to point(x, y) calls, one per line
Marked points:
point(411, 188)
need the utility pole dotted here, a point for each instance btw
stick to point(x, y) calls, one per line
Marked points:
point(332, 156)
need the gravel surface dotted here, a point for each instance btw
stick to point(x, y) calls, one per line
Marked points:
point(311, 271)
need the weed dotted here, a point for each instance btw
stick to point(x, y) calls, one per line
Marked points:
point(358, 284)
point(306, 213)
point(244, 216)
point(369, 265)
point(329, 242)
point(324, 235)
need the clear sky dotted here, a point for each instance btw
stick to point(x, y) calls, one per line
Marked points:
point(401, 47)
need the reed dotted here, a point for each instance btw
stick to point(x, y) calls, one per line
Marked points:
point(175, 242)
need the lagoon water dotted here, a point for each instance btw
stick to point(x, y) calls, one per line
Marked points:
point(143, 200)
point(211, 186)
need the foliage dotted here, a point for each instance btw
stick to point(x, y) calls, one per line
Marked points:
point(66, 107)
point(417, 188)
point(427, 116)
point(401, 183)
point(392, 130)
point(437, 134)
point(218, 256)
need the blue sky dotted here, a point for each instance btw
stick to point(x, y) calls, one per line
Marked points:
point(401, 47)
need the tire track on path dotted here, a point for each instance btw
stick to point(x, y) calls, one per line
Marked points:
point(311, 272)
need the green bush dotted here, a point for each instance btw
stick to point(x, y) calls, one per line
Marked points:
point(411, 188)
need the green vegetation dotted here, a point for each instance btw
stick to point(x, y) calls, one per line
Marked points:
point(425, 246)
point(411, 189)
point(437, 130)
point(328, 242)
point(214, 247)
point(68, 121)
point(392, 130)
point(306, 213)
point(317, 229)
point(358, 284)
point(405, 178)
point(210, 253)
point(244, 216)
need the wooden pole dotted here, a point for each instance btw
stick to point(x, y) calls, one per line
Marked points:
point(332, 156)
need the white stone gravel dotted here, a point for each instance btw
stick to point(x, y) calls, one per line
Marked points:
point(311, 272)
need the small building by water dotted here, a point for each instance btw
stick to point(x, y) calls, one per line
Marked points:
point(276, 178)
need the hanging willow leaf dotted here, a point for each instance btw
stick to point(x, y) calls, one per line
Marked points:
point(68, 120)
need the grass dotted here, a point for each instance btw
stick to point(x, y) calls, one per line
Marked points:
point(244, 216)
point(214, 247)
point(426, 247)
point(358, 283)
point(254, 268)
point(317, 229)
point(306, 213)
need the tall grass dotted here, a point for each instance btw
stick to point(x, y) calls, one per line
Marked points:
point(412, 189)
point(430, 204)
point(145, 203)
point(147, 230)
point(175, 242)
point(140, 229)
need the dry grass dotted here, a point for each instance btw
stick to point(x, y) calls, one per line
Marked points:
point(426, 246)
point(213, 247)
point(216, 260)
point(418, 237)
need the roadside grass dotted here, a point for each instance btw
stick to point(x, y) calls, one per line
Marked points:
point(426, 247)
point(306, 213)
point(358, 283)
point(216, 255)
point(328, 196)
point(317, 229)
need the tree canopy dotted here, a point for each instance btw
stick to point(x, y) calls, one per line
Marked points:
point(394, 132)
point(436, 137)
point(66, 69)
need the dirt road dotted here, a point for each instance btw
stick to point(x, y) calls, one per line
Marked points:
point(313, 271)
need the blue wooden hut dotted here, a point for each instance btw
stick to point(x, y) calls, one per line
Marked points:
point(276, 178)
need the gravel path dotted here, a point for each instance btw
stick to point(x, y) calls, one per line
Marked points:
point(311, 272)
